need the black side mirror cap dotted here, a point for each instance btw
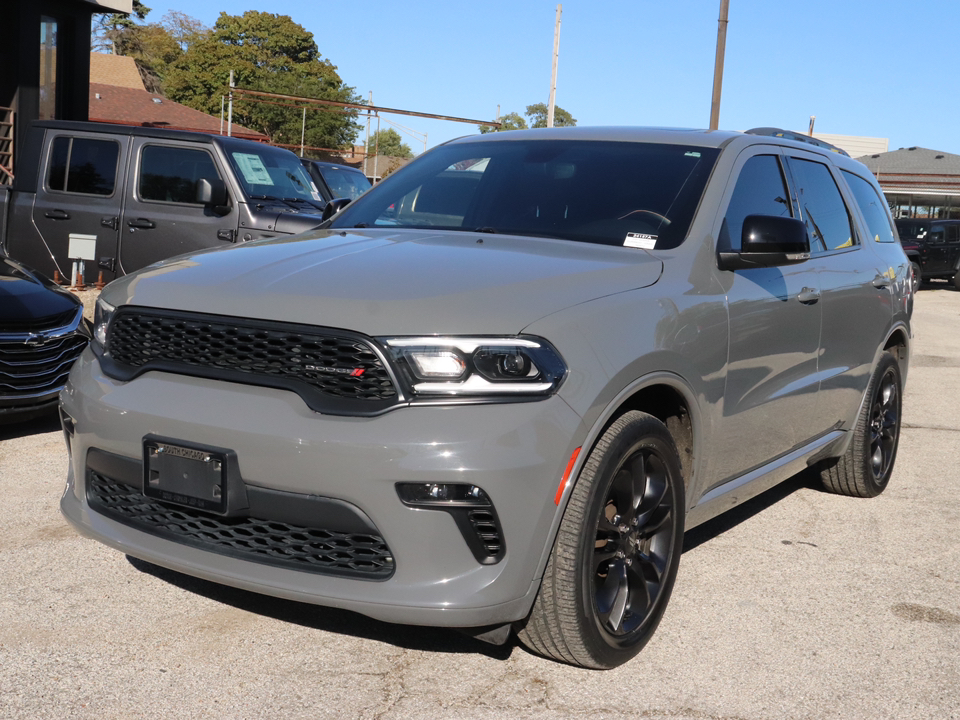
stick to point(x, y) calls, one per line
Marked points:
point(768, 241)
point(333, 207)
point(211, 191)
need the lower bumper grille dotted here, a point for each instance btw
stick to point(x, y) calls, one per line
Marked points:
point(313, 550)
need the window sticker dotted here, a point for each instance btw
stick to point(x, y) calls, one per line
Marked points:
point(640, 240)
point(253, 169)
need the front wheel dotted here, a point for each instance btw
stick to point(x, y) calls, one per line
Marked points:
point(616, 555)
point(865, 469)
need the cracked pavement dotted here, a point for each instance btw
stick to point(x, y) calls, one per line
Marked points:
point(798, 605)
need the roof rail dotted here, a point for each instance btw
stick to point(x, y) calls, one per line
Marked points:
point(799, 137)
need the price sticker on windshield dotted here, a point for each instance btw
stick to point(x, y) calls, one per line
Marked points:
point(640, 240)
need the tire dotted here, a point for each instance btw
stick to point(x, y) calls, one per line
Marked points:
point(956, 281)
point(865, 469)
point(917, 276)
point(615, 558)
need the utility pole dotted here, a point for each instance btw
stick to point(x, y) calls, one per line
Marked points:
point(366, 145)
point(813, 119)
point(718, 65)
point(553, 80)
point(230, 108)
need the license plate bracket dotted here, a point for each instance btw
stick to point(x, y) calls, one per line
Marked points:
point(192, 475)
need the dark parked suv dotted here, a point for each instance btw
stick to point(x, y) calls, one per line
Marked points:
point(933, 248)
point(493, 391)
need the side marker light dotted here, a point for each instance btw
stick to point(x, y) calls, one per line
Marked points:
point(566, 476)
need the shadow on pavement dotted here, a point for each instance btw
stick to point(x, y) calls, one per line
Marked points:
point(808, 479)
point(343, 622)
point(49, 421)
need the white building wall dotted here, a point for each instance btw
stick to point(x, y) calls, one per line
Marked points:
point(854, 145)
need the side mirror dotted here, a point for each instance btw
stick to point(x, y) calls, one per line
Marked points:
point(768, 241)
point(333, 207)
point(211, 192)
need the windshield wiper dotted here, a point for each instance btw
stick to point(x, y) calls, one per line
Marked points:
point(491, 230)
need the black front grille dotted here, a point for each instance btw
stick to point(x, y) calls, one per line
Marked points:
point(313, 550)
point(32, 367)
point(320, 364)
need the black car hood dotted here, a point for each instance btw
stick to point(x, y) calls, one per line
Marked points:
point(28, 299)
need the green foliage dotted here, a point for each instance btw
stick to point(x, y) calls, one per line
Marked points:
point(268, 53)
point(538, 119)
point(110, 31)
point(388, 142)
point(538, 116)
point(510, 121)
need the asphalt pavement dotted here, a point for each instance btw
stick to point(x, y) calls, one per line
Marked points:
point(798, 605)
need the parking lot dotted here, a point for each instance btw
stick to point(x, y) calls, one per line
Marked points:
point(799, 604)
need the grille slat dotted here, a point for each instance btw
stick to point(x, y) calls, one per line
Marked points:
point(330, 363)
point(32, 369)
point(269, 542)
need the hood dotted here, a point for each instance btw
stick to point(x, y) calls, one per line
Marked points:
point(30, 301)
point(384, 282)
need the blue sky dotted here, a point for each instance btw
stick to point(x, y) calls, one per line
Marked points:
point(876, 68)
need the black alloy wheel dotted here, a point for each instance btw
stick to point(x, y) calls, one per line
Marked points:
point(865, 469)
point(634, 543)
point(885, 425)
point(616, 555)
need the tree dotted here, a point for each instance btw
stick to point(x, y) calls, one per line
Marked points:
point(388, 142)
point(510, 121)
point(538, 119)
point(111, 31)
point(538, 116)
point(269, 53)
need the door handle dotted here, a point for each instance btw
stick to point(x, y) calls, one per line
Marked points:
point(142, 224)
point(808, 296)
point(57, 215)
point(882, 281)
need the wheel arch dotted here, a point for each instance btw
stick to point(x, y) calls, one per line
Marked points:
point(898, 344)
point(665, 396)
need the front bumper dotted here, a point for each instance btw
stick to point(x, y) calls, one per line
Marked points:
point(515, 452)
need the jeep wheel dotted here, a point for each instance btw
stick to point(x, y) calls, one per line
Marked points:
point(616, 555)
point(865, 469)
point(916, 276)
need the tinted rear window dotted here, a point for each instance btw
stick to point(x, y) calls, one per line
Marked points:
point(83, 165)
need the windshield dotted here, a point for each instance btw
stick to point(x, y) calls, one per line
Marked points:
point(274, 176)
point(344, 182)
point(611, 193)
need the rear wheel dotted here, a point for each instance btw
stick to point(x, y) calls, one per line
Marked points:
point(917, 279)
point(616, 555)
point(956, 281)
point(865, 469)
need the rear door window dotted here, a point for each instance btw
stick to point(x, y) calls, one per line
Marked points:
point(822, 207)
point(873, 207)
point(83, 165)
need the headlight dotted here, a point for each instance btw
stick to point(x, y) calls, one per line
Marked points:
point(102, 314)
point(473, 366)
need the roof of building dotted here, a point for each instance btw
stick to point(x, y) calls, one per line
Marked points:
point(915, 169)
point(117, 70)
point(127, 106)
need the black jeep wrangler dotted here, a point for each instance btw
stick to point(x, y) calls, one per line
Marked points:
point(933, 248)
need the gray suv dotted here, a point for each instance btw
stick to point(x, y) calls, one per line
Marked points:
point(493, 392)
